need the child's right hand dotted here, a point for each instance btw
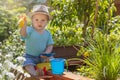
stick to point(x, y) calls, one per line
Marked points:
point(22, 21)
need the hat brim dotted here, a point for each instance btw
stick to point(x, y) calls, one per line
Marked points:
point(35, 13)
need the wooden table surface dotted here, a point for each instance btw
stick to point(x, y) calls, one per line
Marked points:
point(67, 76)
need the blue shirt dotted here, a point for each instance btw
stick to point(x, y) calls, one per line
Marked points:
point(35, 42)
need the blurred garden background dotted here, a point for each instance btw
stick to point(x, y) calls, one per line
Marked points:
point(93, 25)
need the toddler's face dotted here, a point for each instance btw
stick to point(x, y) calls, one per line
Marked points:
point(39, 21)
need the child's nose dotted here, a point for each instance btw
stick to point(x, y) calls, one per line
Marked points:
point(39, 22)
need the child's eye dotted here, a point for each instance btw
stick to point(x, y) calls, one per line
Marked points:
point(43, 20)
point(36, 19)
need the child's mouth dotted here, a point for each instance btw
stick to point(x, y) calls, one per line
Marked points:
point(39, 26)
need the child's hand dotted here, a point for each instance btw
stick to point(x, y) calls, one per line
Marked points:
point(46, 59)
point(46, 56)
point(22, 21)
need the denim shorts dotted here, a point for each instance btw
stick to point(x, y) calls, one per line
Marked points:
point(32, 60)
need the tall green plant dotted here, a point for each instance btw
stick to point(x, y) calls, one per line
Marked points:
point(104, 57)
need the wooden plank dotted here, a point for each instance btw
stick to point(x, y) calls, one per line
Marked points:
point(67, 76)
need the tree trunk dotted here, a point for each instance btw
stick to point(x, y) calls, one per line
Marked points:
point(95, 18)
